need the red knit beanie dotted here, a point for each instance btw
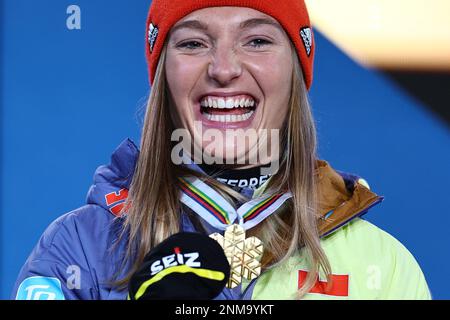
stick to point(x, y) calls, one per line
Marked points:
point(291, 14)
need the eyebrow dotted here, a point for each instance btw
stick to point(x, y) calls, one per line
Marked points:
point(247, 24)
point(250, 23)
point(190, 24)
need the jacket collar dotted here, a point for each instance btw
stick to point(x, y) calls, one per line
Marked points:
point(342, 197)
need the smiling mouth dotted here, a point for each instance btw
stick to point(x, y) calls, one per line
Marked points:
point(229, 109)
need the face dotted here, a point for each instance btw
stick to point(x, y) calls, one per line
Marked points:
point(229, 72)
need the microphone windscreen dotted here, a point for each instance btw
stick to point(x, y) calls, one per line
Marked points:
point(184, 266)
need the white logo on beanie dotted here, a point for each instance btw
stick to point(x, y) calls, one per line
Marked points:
point(306, 34)
point(152, 35)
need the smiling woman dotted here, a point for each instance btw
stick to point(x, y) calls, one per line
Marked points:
point(238, 71)
point(229, 68)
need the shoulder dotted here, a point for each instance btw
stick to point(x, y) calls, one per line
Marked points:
point(73, 257)
point(376, 259)
point(87, 223)
point(362, 239)
point(361, 235)
point(361, 229)
point(81, 237)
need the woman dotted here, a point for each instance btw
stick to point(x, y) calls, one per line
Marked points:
point(230, 79)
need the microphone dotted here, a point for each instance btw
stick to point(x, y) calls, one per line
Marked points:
point(184, 266)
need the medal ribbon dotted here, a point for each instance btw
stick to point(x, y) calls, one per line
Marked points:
point(213, 208)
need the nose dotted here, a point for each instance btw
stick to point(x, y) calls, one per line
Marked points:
point(225, 65)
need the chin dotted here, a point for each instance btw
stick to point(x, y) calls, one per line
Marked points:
point(232, 155)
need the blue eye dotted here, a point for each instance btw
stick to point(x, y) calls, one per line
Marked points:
point(257, 43)
point(190, 45)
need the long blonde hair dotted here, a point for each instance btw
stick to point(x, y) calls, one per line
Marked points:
point(154, 209)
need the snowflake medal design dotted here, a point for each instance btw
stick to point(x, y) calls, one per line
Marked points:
point(243, 254)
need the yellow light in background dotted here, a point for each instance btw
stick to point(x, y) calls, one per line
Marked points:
point(394, 34)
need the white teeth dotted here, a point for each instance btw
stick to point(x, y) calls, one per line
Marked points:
point(230, 103)
point(228, 117)
point(247, 115)
point(221, 103)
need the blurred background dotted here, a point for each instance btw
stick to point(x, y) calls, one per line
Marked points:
point(73, 83)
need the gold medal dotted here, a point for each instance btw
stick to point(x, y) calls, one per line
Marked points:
point(243, 254)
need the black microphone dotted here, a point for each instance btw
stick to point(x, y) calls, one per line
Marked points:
point(184, 266)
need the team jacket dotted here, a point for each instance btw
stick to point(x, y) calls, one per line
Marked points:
point(78, 255)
